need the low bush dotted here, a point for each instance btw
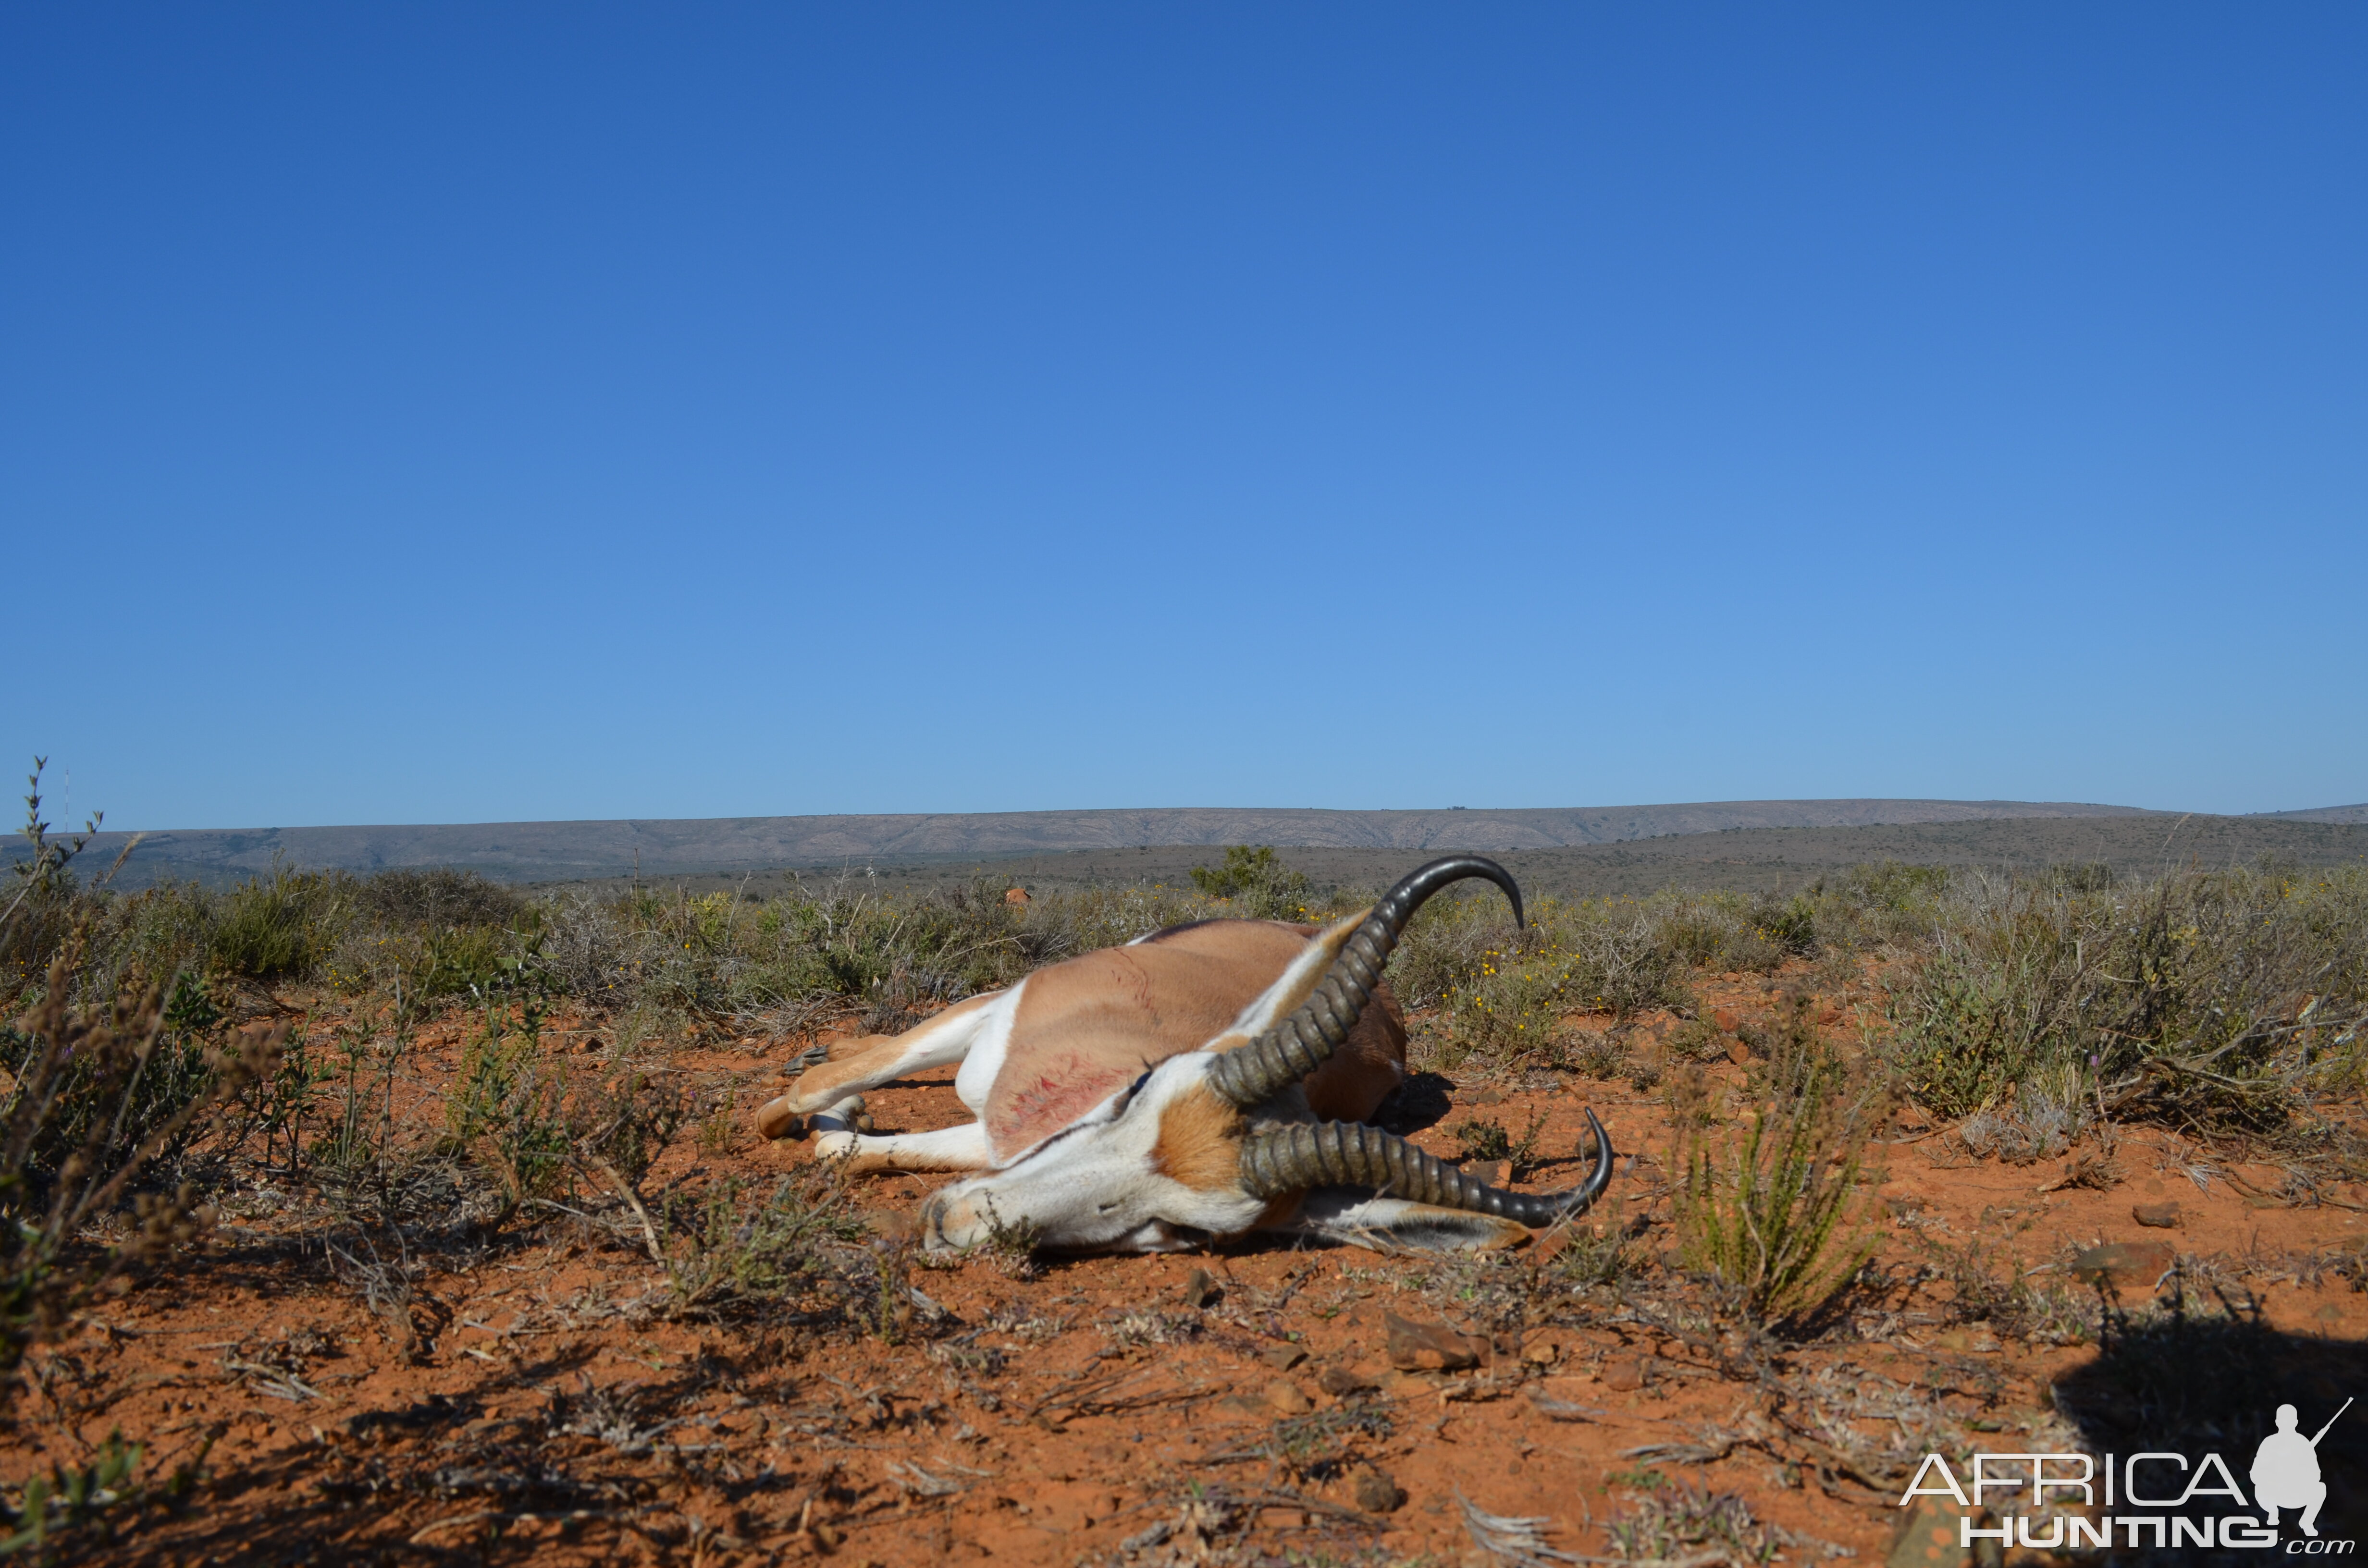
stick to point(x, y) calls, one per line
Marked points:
point(1504, 995)
point(1256, 885)
point(793, 1243)
point(280, 926)
point(437, 897)
point(2221, 1000)
point(1781, 1215)
point(82, 1122)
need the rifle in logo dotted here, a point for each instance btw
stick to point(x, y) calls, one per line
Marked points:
point(2285, 1469)
point(2285, 1476)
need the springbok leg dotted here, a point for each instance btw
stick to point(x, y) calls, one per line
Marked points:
point(961, 1148)
point(941, 1041)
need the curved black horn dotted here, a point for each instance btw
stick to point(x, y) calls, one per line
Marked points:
point(1281, 1160)
point(1303, 1041)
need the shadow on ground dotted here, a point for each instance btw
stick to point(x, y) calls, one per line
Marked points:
point(2206, 1375)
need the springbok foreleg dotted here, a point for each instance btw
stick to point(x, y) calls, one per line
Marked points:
point(961, 1148)
point(939, 1042)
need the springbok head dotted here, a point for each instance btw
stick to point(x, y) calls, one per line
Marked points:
point(1220, 1141)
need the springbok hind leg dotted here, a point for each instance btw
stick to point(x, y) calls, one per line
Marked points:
point(942, 1040)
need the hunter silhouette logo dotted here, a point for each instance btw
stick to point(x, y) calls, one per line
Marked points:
point(2285, 1470)
point(2148, 1485)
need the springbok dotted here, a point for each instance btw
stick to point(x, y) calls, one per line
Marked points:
point(1197, 1084)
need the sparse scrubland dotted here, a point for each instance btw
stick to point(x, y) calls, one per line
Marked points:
point(415, 1217)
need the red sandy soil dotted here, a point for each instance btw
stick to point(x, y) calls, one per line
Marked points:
point(1054, 1418)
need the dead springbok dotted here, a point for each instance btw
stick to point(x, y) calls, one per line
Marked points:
point(1197, 1084)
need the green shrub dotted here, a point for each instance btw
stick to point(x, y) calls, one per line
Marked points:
point(281, 927)
point(1504, 995)
point(1260, 885)
point(82, 1504)
point(1713, 931)
point(81, 1121)
point(1782, 1217)
point(733, 1246)
point(2222, 999)
point(508, 1108)
point(1477, 1139)
point(438, 896)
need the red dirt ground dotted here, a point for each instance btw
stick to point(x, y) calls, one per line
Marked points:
point(1058, 1418)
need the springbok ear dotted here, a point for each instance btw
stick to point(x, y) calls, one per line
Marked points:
point(1395, 1224)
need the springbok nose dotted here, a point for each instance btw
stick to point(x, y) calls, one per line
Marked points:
point(933, 1223)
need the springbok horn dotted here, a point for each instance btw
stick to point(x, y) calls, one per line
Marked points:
point(1348, 1153)
point(1305, 1041)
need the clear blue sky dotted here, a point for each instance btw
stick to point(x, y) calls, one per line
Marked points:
point(424, 413)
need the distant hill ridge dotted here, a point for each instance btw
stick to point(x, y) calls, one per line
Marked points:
point(553, 851)
point(2357, 813)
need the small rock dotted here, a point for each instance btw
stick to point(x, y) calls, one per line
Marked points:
point(1542, 1354)
point(1341, 1382)
point(1738, 1053)
point(1490, 1171)
point(1482, 1097)
point(1199, 1289)
point(1623, 1377)
point(1566, 1399)
point(1928, 1538)
point(1727, 1019)
point(1283, 1358)
point(1427, 1347)
point(1284, 1398)
point(2161, 1216)
point(1374, 1489)
point(2124, 1263)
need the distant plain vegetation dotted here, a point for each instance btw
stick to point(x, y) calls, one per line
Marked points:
point(1742, 860)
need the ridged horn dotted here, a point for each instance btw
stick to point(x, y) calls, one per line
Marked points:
point(1281, 1160)
point(1305, 1041)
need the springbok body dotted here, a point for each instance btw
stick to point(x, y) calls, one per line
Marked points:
point(1199, 1083)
